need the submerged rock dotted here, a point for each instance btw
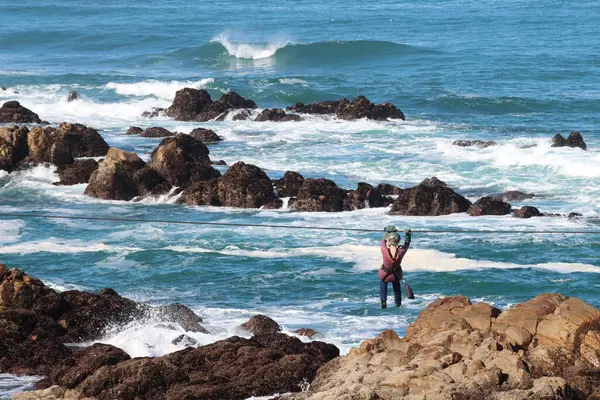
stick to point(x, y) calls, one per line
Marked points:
point(489, 206)
point(73, 96)
point(13, 111)
point(527, 212)
point(134, 130)
point(515, 195)
point(574, 140)
point(430, 197)
point(474, 143)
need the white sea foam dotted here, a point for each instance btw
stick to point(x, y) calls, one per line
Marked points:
point(3, 174)
point(253, 51)
point(293, 81)
point(368, 258)
point(10, 384)
point(161, 89)
point(10, 230)
point(60, 246)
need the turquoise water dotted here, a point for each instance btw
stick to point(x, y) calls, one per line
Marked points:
point(516, 73)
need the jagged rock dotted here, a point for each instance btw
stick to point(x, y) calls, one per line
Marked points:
point(365, 196)
point(205, 135)
point(73, 96)
point(182, 315)
point(196, 105)
point(261, 325)
point(234, 368)
point(156, 132)
point(527, 212)
point(13, 111)
point(242, 115)
point(289, 184)
point(220, 162)
point(358, 108)
point(182, 160)
point(459, 350)
point(80, 171)
point(273, 204)
point(185, 340)
point(482, 144)
point(489, 206)
point(134, 130)
point(276, 115)
point(13, 146)
point(389, 190)
point(245, 186)
point(113, 180)
point(319, 195)
point(574, 140)
point(430, 197)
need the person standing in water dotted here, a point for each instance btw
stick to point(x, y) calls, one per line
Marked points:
point(391, 270)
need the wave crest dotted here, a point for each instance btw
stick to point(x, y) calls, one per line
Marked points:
point(251, 51)
point(156, 88)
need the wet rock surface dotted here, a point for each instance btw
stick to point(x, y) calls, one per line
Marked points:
point(430, 197)
point(482, 144)
point(358, 108)
point(276, 115)
point(205, 135)
point(13, 146)
point(289, 184)
point(80, 171)
point(156, 132)
point(113, 180)
point(319, 195)
point(527, 212)
point(13, 111)
point(489, 206)
point(197, 105)
point(574, 140)
point(544, 348)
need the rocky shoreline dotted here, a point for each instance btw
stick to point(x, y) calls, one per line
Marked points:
point(180, 164)
point(544, 348)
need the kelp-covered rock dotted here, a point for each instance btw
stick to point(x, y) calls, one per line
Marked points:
point(489, 206)
point(13, 111)
point(431, 197)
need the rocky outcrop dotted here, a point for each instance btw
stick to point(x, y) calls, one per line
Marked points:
point(13, 146)
point(80, 171)
point(358, 108)
point(289, 184)
point(387, 189)
point(81, 140)
point(319, 195)
point(14, 112)
point(205, 135)
point(157, 132)
point(35, 321)
point(515, 195)
point(365, 196)
point(482, 144)
point(276, 115)
point(430, 197)
point(113, 180)
point(545, 348)
point(197, 105)
point(574, 140)
point(527, 212)
point(489, 206)
point(245, 186)
point(181, 160)
point(234, 368)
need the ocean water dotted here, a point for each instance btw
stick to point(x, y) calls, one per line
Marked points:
point(513, 72)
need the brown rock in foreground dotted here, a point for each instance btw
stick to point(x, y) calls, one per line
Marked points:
point(545, 348)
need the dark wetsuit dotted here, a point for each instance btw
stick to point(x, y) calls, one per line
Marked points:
point(391, 271)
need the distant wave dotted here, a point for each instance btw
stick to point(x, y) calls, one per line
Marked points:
point(253, 51)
